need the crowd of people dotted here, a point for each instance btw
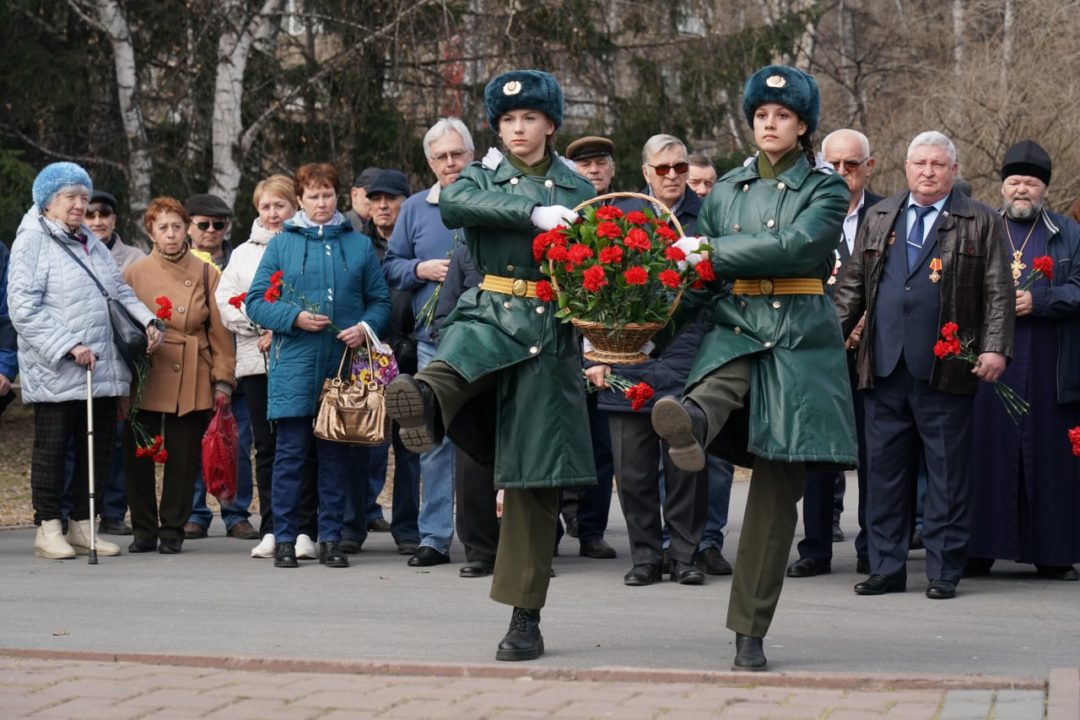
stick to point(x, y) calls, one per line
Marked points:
point(813, 352)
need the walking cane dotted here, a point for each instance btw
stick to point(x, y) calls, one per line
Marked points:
point(90, 460)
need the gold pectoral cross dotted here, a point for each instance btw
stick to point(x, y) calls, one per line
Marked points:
point(1017, 267)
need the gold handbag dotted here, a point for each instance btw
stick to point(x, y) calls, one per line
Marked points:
point(353, 413)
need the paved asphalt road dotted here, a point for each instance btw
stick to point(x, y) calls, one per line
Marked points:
point(214, 599)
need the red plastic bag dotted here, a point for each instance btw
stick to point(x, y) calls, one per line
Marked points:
point(219, 448)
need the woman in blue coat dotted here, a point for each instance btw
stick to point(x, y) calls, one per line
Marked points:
point(335, 270)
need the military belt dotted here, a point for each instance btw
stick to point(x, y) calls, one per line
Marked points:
point(779, 286)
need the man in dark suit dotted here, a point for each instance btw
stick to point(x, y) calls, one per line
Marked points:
point(922, 258)
point(849, 152)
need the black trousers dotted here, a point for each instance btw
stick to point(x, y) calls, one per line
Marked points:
point(183, 440)
point(56, 426)
point(638, 452)
point(254, 387)
point(477, 524)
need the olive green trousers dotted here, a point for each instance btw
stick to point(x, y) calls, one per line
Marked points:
point(771, 508)
point(527, 531)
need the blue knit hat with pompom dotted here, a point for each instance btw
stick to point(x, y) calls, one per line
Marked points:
point(54, 177)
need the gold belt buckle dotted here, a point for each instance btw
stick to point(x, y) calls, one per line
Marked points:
point(520, 288)
point(766, 287)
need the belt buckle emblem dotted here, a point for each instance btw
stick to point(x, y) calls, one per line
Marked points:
point(766, 287)
point(520, 288)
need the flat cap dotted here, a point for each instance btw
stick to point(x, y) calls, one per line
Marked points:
point(365, 177)
point(100, 196)
point(590, 146)
point(389, 182)
point(208, 205)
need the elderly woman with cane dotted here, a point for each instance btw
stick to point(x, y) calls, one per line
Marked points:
point(60, 281)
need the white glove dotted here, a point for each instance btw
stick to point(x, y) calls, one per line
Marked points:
point(690, 246)
point(547, 217)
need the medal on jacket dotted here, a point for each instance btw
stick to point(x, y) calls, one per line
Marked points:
point(935, 270)
point(836, 268)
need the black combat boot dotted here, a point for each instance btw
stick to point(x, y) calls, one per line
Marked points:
point(749, 654)
point(523, 640)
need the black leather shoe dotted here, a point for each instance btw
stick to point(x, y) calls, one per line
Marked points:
point(378, 525)
point(941, 590)
point(837, 534)
point(114, 527)
point(407, 548)
point(881, 584)
point(523, 640)
point(916, 541)
point(349, 546)
point(475, 569)
point(142, 546)
point(644, 574)
point(1058, 572)
point(712, 562)
point(686, 574)
point(682, 426)
point(596, 548)
point(330, 555)
point(285, 555)
point(862, 566)
point(572, 526)
point(749, 653)
point(808, 567)
point(412, 405)
point(169, 546)
point(427, 556)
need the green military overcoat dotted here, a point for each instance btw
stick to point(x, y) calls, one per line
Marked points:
point(535, 427)
point(800, 407)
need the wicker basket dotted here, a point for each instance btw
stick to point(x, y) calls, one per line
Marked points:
point(621, 345)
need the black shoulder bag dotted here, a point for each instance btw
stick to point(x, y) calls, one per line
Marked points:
point(128, 335)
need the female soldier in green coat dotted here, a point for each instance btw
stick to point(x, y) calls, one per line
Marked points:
point(506, 382)
point(774, 361)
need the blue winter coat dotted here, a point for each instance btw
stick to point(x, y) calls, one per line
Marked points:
point(334, 268)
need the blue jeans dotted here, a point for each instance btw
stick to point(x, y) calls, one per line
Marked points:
point(720, 476)
point(336, 473)
point(238, 510)
point(436, 521)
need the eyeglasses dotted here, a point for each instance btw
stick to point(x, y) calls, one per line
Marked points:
point(849, 165)
point(680, 168)
point(105, 212)
point(446, 157)
point(216, 224)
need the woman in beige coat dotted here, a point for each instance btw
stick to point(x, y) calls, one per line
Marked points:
point(192, 369)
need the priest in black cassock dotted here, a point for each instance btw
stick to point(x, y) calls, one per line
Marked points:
point(1027, 482)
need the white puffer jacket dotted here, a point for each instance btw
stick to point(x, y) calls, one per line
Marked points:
point(236, 279)
point(55, 306)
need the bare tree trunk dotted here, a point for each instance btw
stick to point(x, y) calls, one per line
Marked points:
point(1007, 46)
point(139, 165)
point(227, 127)
point(958, 38)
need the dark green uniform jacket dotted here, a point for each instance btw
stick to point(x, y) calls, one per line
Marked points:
point(799, 407)
point(537, 417)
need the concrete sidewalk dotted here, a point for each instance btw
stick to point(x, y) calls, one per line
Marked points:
point(213, 632)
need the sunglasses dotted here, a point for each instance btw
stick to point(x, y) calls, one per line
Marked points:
point(849, 165)
point(680, 168)
point(217, 225)
point(105, 212)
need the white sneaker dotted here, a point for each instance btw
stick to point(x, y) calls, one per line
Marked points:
point(305, 548)
point(265, 548)
point(50, 543)
point(79, 538)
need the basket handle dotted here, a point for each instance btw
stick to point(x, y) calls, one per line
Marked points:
point(664, 209)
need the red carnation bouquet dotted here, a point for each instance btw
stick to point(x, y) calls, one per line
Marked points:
point(1074, 440)
point(617, 276)
point(638, 394)
point(147, 444)
point(951, 346)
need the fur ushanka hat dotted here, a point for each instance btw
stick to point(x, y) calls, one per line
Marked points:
point(56, 176)
point(788, 86)
point(523, 90)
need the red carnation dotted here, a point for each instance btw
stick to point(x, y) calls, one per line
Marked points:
point(609, 212)
point(611, 255)
point(1045, 265)
point(544, 291)
point(949, 330)
point(557, 253)
point(1074, 438)
point(272, 294)
point(578, 253)
point(237, 300)
point(277, 277)
point(637, 239)
point(608, 230)
point(665, 232)
point(704, 269)
point(636, 275)
point(674, 254)
point(164, 310)
point(670, 278)
point(161, 456)
point(636, 218)
point(540, 244)
point(638, 395)
point(593, 278)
